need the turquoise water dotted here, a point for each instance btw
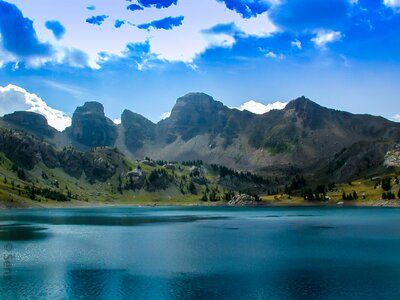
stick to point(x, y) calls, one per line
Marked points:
point(200, 253)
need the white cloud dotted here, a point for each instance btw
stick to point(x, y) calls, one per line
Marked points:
point(259, 108)
point(324, 37)
point(296, 44)
point(182, 43)
point(396, 118)
point(117, 121)
point(165, 115)
point(395, 4)
point(271, 54)
point(14, 98)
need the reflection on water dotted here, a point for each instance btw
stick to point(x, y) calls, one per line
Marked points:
point(201, 253)
point(102, 220)
point(22, 232)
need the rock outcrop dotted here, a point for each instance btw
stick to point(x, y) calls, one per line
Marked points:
point(392, 157)
point(243, 200)
point(91, 127)
point(138, 130)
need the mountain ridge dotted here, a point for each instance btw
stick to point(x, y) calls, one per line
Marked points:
point(202, 128)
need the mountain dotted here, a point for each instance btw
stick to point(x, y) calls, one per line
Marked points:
point(303, 136)
point(299, 136)
point(221, 150)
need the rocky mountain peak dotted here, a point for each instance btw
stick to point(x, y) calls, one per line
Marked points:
point(91, 127)
point(90, 107)
point(129, 118)
point(30, 121)
point(196, 102)
point(193, 114)
point(302, 104)
point(137, 128)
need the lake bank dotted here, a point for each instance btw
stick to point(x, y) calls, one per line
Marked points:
point(264, 203)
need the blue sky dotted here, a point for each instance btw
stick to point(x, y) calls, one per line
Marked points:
point(143, 54)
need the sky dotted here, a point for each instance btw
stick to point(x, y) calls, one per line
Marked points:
point(249, 54)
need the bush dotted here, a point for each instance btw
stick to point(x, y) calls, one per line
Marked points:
point(386, 186)
point(388, 196)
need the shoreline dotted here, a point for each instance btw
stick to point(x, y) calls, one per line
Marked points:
point(263, 204)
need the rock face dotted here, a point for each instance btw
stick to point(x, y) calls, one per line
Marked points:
point(101, 164)
point(136, 179)
point(243, 200)
point(138, 130)
point(91, 127)
point(31, 122)
point(392, 157)
point(194, 114)
point(71, 161)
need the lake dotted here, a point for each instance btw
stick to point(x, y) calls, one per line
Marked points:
point(200, 253)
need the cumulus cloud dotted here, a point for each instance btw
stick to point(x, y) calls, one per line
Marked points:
point(57, 28)
point(259, 108)
point(101, 43)
point(157, 3)
point(247, 8)
point(166, 23)
point(17, 33)
point(96, 20)
point(117, 121)
point(195, 28)
point(14, 98)
point(324, 37)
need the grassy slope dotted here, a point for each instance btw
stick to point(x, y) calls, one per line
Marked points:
point(99, 193)
point(105, 193)
point(368, 191)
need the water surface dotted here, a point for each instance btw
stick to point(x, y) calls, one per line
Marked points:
point(200, 253)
